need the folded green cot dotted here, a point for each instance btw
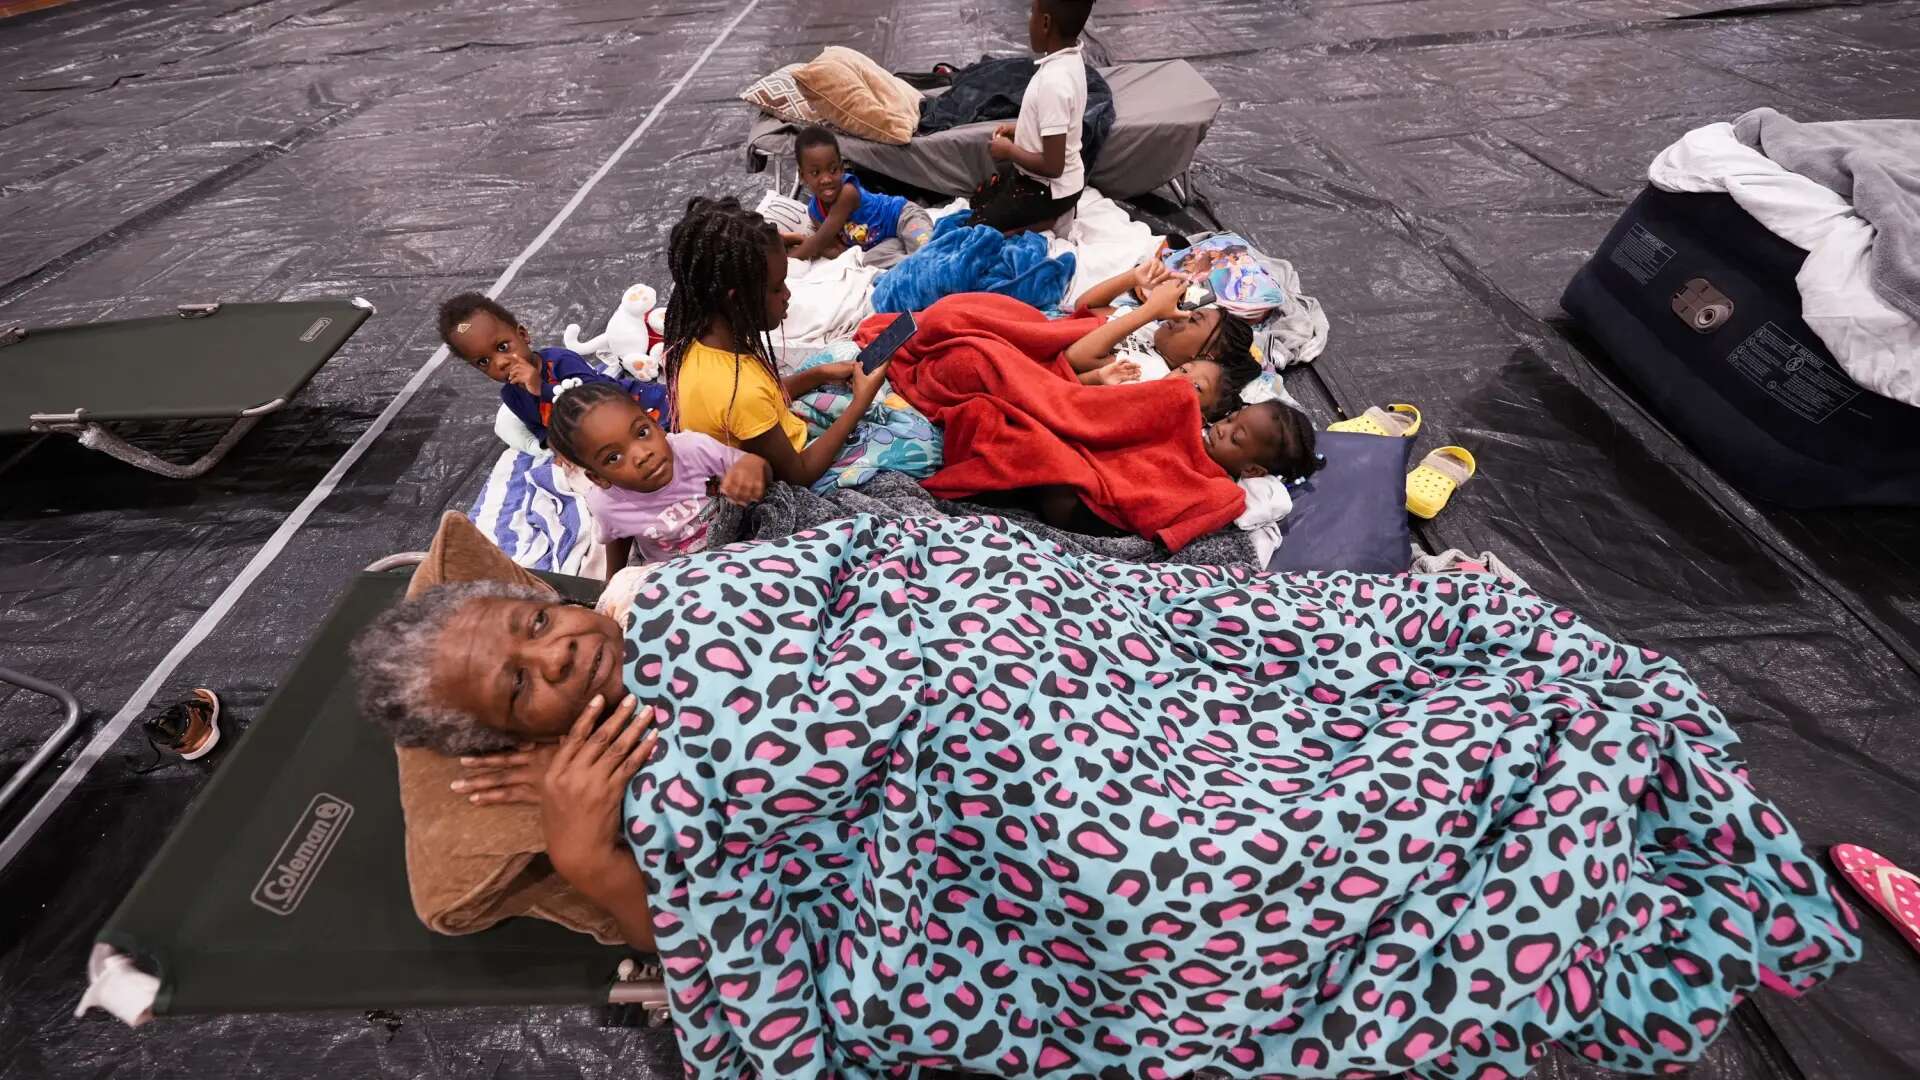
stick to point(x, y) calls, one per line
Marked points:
point(235, 362)
point(284, 887)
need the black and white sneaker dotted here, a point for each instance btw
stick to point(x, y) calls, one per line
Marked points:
point(189, 727)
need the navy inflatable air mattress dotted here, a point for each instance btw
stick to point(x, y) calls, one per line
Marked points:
point(1695, 302)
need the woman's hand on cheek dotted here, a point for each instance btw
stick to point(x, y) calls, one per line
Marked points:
point(581, 794)
point(512, 776)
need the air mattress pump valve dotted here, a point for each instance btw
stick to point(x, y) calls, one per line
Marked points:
point(1701, 306)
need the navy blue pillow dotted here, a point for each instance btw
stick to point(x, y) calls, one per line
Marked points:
point(1352, 514)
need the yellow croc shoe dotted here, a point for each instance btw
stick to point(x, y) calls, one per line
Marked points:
point(1394, 420)
point(1431, 484)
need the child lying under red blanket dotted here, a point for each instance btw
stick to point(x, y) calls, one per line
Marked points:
point(989, 370)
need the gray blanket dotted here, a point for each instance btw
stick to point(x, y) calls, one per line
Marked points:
point(787, 510)
point(1873, 163)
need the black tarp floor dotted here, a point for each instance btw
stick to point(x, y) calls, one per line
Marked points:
point(1436, 169)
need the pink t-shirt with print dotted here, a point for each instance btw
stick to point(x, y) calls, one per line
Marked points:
point(676, 519)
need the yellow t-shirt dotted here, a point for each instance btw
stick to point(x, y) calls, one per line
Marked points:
point(731, 398)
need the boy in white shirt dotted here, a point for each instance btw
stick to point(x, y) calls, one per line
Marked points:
point(1038, 174)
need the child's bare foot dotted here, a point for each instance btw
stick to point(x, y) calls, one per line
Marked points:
point(1120, 371)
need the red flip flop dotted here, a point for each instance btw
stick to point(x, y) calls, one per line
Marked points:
point(1895, 892)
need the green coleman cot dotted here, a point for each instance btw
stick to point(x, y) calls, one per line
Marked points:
point(284, 887)
point(235, 362)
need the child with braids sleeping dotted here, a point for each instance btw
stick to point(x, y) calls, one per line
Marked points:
point(650, 489)
point(729, 269)
point(1209, 348)
point(1018, 424)
point(1263, 447)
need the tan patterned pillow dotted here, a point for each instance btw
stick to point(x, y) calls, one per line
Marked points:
point(778, 95)
point(859, 96)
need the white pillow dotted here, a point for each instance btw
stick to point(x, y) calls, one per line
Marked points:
point(787, 215)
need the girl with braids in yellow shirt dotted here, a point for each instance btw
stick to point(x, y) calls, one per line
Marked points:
point(729, 271)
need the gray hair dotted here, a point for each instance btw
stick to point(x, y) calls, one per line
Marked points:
point(393, 660)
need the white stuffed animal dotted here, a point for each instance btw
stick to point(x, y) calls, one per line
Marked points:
point(627, 339)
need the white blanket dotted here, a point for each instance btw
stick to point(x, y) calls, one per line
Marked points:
point(1104, 242)
point(830, 297)
point(1297, 332)
point(1877, 344)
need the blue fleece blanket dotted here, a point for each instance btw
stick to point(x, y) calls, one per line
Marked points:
point(974, 258)
point(939, 793)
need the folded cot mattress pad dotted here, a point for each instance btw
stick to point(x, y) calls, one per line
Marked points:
point(1162, 110)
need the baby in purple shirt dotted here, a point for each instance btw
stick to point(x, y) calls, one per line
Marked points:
point(651, 490)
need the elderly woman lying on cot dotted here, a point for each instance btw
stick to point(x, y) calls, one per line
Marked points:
point(936, 792)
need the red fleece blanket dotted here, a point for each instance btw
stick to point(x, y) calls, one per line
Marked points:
point(989, 370)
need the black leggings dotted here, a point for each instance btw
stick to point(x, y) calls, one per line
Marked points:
point(1012, 201)
point(1056, 505)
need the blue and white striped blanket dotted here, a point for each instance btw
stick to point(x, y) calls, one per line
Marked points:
point(528, 510)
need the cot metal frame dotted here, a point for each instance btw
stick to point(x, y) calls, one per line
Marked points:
point(69, 727)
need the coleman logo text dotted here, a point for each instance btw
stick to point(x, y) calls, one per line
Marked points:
point(305, 851)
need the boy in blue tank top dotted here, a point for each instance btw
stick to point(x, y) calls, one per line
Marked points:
point(847, 215)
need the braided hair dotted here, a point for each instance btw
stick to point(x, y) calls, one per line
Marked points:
point(717, 254)
point(1296, 458)
point(1230, 345)
point(1231, 335)
point(570, 409)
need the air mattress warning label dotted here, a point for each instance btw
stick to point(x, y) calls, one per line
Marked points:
point(1795, 375)
point(1641, 254)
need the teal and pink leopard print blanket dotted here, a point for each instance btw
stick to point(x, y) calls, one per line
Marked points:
point(939, 792)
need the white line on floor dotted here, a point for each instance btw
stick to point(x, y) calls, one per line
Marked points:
point(111, 731)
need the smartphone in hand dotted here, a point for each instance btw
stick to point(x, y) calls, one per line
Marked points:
point(882, 348)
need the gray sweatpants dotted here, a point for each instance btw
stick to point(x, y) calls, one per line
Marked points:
point(911, 233)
